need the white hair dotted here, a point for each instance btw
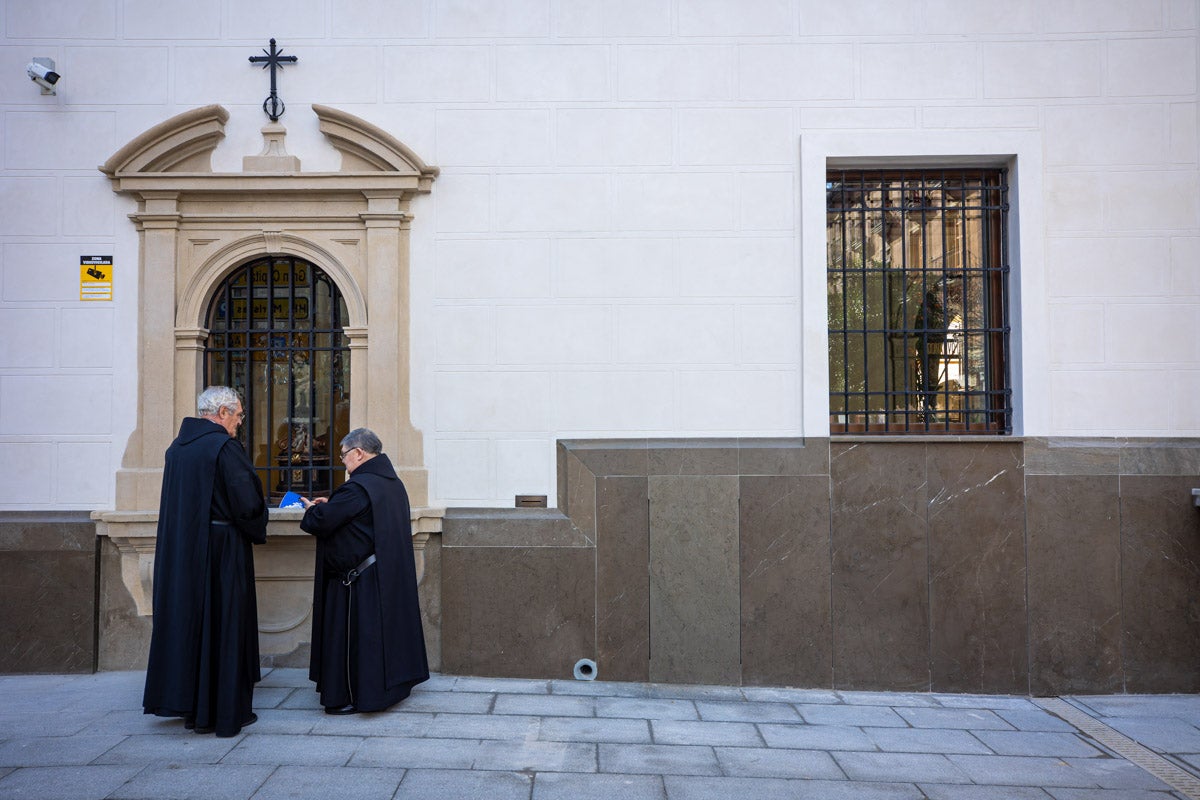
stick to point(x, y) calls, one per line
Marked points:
point(214, 398)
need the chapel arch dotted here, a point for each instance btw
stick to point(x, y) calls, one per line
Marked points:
point(276, 335)
point(209, 275)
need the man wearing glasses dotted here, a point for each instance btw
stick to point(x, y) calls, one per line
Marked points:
point(204, 644)
point(368, 647)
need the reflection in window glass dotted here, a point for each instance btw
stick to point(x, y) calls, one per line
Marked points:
point(917, 285)
point(276, 336)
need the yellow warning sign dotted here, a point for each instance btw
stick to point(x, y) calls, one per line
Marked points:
point(95, 277)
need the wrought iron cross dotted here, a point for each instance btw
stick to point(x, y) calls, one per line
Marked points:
point(275, 59)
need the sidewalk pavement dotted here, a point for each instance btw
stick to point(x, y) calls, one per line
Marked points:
point(84, 736)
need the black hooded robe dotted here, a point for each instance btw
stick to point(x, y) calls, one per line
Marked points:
point(204, 646)
point(368, 645)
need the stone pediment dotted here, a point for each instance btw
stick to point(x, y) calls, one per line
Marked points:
point(183, 143)
point(178, 152)
point(367, 148)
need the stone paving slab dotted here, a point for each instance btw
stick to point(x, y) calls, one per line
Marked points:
point(746, 711)
point(1036, 743)
point(550, 705)
point(479, 737)
point(673, 731)
point(524, 756)
point(571, 786)
point(301, 751)
point(970, 719)
point(482, 726)
point(646, 708)
point(432, 784)
point(416, 753)
point(692, 788)
point(659, 759)
point(66, 783)
point(768, 762)
point(914, 767)
point(817, 737)
point(194, 782)
point(1070, 772)
point(344, 783)
point(157, 749)
point(575, 729)
point(56, 751)
point(874, 716)
point(1035, 720)
point(917, 740)
point(961, 792)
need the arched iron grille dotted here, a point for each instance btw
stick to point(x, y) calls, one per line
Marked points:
point(276, 335)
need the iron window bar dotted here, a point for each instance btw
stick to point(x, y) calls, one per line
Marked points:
point(918, 272)
point(276, 335)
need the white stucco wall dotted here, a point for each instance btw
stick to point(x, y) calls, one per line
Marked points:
point(619, 242)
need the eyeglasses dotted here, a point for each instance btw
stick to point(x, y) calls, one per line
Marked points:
point(345, 453)
point(238, 414)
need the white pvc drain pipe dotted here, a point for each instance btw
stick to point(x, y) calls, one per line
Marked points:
point(585, 670)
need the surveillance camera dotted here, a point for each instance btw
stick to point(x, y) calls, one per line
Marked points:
point(41, 71)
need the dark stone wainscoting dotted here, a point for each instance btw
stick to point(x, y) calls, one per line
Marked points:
point(956, 564)
point(47, 591)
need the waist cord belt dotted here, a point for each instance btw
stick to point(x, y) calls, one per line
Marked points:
point(354, 574)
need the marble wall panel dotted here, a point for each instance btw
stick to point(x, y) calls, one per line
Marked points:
point(1074, 583)
point(47, 592)
point(622, 583)
point(704, 457)
point(977, 568)
point(694, 607)
point(879, 567)
point(1074, 456)
point(429, 591)
point(46, 612)
point(783, 457)
point(1160, 457)
point(786, 634)
point(1160, 573)
point(580, 495)
point(518, 527)
point(517, 612)
point(610, 457)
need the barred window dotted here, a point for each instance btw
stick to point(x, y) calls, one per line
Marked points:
point(918, 301)
point(276, 336)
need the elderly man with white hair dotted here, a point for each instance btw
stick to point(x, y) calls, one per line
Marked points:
point(204, 645)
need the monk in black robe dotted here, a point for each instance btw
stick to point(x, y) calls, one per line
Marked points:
point(204, 645)
point(368, 646)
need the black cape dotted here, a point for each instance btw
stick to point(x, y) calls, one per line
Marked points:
point(204, 646)
point(368, 645)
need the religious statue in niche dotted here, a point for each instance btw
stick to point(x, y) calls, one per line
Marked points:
point(301, 455)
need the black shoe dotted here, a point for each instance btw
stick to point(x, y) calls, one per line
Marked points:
point(253, 719)
point(346, 709)
point(189, 721)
